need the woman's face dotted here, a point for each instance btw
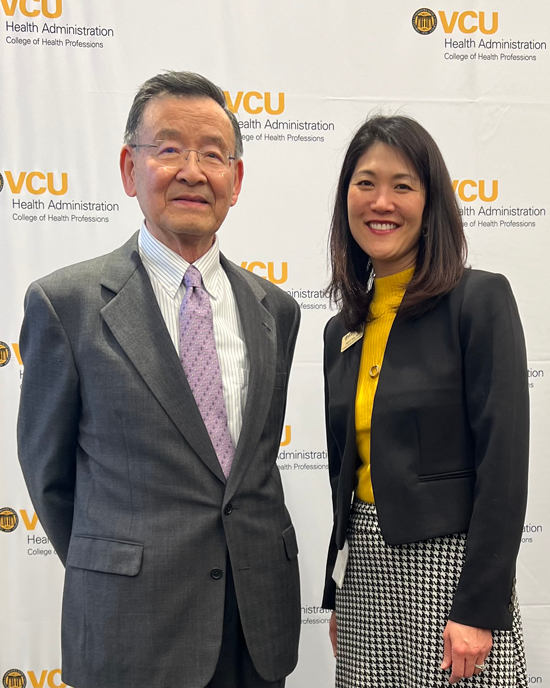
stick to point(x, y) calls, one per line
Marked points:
point(385, 205)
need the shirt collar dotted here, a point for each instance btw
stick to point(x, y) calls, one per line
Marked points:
point(169, 267)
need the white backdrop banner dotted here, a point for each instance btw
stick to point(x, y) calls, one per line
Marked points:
point(300, 77)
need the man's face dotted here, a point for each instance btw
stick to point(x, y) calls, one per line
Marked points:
point(183, 204)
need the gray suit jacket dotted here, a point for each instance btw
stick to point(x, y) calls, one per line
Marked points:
point(127, 485)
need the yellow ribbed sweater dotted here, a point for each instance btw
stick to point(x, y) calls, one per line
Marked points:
point(388, 294)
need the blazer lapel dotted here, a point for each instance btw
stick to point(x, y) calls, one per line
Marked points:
point(342, 370)
point(259, 329)
point(350, 362)
point(134, 318)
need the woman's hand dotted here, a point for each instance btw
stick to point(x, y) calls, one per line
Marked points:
point(332, 631)
point(465, 646)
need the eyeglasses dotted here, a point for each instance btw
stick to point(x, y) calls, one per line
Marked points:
point(171, 154)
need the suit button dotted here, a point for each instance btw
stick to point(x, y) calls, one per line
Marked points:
point(216, 574)
point(510, 608)
point(228, 509)
point(514, 581)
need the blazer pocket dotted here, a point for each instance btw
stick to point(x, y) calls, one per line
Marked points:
point(107, 556)
point(449, 475)
point(291, 544)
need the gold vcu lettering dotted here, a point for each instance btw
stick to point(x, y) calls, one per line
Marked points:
point(30, 521)
point(254, 102)
point(37, 183)
point(287, 439)
point(15, 347)
point(468, 22)
point(467, 190)
point(32, 8)
point(50, 678)
point(270, 267)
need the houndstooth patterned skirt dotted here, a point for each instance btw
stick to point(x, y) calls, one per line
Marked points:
point(392, 610)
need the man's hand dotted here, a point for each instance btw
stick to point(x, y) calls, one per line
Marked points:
point(465, 646)
point(332, 631)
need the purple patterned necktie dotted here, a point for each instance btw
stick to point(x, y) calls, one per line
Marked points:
point(200, 362)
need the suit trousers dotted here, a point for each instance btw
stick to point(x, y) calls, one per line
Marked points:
point(235, 668)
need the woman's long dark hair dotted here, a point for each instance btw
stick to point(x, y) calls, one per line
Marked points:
point(442, 248)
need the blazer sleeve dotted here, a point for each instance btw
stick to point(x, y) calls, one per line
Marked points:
point(497, 402)
point(334, 466)
point(49, 412)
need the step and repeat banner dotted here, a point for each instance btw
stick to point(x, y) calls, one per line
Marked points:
point(300, 77)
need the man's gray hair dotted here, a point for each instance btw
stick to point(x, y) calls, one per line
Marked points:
point(178, 84)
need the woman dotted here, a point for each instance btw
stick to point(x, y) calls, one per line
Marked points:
point(427, 423)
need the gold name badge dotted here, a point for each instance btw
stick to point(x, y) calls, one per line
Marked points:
point(350, 338)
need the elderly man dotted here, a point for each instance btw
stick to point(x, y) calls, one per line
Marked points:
point(149, 440)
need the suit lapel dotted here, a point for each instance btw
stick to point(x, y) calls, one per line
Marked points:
point(259, 329)
point(135, 320)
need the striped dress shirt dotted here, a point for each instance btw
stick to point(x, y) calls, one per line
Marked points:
point(166, 270)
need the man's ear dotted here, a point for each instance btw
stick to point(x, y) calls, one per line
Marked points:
point(128, 170)
point(237, 182)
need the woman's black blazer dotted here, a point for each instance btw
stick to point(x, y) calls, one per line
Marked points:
point(449, 439)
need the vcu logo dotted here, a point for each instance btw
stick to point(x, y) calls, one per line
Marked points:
point(424, 21)
point(255, 102)
point(5, 354)
point(51, 9)
point(9, 520)
point(270, 268)
point(37, 183)
point(469, 190)
point(15, 678)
